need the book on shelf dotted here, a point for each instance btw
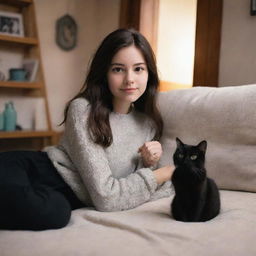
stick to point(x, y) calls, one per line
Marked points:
point(31, 67)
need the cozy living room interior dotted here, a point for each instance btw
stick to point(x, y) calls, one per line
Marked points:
point(206, 60)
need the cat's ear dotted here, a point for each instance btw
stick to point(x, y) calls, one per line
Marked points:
point(179, 142)
point(202, 145)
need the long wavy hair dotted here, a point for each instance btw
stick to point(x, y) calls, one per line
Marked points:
point(96, 90)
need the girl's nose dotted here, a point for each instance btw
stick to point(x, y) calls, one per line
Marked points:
point(129, 78)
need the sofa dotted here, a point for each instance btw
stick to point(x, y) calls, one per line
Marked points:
point(226, 118)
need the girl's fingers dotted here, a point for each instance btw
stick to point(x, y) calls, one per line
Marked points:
point(151, 152)
point(152, 147)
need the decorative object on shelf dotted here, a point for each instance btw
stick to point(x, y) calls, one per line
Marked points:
point(1, 121)
point(31, 67)
point(17, 74)
point(11, 24)
point(66, 32)
point(10, 117)
point(2, 76)
point(253, 7)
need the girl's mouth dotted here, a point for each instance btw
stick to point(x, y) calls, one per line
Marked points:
point(129, 89)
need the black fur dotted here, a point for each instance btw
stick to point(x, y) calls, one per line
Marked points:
point(196, 196)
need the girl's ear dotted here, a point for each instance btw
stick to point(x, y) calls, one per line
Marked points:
point(179, 142)
point(202, 145)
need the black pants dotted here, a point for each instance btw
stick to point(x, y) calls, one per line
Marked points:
point(33, 196)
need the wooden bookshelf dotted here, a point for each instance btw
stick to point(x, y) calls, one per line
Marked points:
point(29, 47)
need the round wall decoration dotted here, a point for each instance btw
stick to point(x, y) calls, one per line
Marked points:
point(66, 33)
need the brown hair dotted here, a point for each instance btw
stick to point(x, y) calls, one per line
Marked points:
point(96, 90)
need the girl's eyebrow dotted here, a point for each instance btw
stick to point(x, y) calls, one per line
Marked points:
point(120, 64)
point(138, 64)
point(116, 64)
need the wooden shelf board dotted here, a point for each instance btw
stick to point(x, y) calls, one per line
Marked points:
point(19, 40)
point(21, 85)
point(26, 134)
point(17, 2)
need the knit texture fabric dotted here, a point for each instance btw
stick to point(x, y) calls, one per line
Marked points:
point(112, 178)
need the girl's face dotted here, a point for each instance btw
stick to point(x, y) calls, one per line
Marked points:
point(127, 78)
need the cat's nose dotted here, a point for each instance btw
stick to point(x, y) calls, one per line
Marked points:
point(187, 161)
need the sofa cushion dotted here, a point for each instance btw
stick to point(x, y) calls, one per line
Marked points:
point(147, 230)
point(226, 118)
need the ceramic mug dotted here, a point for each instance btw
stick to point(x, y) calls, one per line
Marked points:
point(18, 74)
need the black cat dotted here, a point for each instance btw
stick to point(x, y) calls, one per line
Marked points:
point(196, 196)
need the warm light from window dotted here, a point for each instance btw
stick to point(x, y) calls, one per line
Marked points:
point(176, 41)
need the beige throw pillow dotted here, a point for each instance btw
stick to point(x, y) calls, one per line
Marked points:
point(226, 118)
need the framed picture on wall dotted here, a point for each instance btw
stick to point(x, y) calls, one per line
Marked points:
point(11, 24)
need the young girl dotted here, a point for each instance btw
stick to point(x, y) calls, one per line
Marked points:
point(108, 154)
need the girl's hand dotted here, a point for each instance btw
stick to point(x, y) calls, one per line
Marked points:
point(151, 153)
point(164, 174)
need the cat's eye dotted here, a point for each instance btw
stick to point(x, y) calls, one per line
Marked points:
point(180, 156)
point(193, 157)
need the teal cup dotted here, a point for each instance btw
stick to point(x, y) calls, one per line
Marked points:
point(17, 74)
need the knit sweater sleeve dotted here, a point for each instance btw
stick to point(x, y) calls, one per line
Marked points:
point(107, 192)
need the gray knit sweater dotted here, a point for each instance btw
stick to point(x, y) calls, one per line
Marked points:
point(113, 178)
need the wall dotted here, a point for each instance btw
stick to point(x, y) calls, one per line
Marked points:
point(65, 71)
point(176, 40)
point(238, 55)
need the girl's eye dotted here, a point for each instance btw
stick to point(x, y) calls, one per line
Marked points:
point(193, 157)
point(117, 70)
point(139, 69)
